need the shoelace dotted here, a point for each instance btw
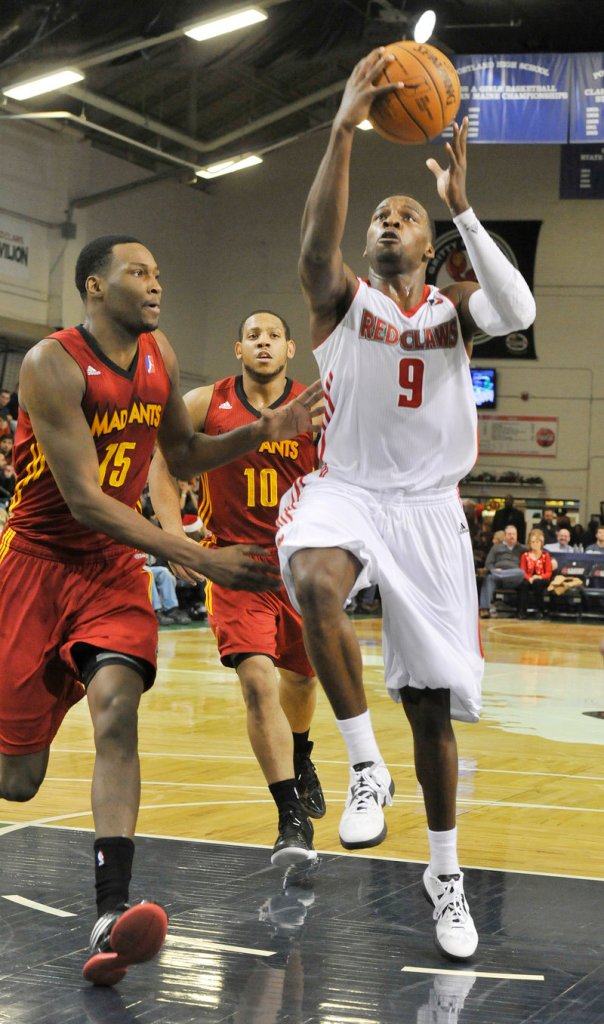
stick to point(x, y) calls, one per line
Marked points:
point(454, 901)
point(366, 790)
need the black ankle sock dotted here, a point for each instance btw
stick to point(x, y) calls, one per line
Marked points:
point(284, 793)
point(301, 742)
point(113, 858)
point(362, 764)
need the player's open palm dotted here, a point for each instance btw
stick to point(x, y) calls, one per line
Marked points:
point(297, 417)
point(451, 181)
point(237, 567)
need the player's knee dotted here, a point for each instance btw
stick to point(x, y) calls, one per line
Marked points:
point(259, 694)
point(117, 723)
point(318, 590)
point(19, 788)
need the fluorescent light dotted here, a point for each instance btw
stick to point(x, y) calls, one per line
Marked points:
point(219, 26)
point(365, 126)
point(228, 166)
point(58, 80)
point(424, 27)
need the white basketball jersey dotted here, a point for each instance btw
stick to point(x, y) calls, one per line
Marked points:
point(399, 405)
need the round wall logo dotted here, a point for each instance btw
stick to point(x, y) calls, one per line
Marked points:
point(451, 264)
point(545, 437)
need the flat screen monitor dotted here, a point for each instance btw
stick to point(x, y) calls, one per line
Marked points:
point(484, 385)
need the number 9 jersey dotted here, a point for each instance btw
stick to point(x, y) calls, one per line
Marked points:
point(399, 405)
point(239, 502)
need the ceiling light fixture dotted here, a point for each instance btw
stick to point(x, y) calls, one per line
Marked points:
point(48, 83)
point(219, 26)
point(424, 27)
point(228, 166)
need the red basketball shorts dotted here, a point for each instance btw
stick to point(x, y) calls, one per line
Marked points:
point(248, 623)
point(46, 607)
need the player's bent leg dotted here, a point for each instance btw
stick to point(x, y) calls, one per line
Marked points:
point(272, 743)
point(323, 578)
point(436, 763)
point(21, 775)
point(298, 697)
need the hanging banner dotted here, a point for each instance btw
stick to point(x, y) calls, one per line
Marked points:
point(518, 435)
point(517, 239)
point(582, 172)
point(515, 97)
point(587, 104)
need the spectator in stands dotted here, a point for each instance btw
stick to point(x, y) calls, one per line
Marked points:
point(188, 497)
point(9, 407)
point(163, 595)
point(482, 543)
point(5, 426)
point(592, 528)
point(578, 535)
point(502, 569)
point(537, 566)
point(510, 515)
point(6, 447)
point(3, 519)
point(563, 544)
point(547, 525)
point(599, 544)
point(7, 480)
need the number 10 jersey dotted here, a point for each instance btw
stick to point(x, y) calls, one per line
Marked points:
point(399, 404)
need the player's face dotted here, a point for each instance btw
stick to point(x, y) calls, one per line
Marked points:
point(131, 288)
point(264, 348)
point(399, 236)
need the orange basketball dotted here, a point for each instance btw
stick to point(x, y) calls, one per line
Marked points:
point(429, 101)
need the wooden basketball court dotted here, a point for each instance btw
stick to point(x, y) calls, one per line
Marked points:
point(349, 943)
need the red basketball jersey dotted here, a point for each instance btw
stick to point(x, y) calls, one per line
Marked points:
point(123, 409)
point(239, 502)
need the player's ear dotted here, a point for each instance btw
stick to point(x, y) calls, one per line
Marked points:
point(238, 350)
point(365, 253)
point(93, 285)
point(429, 253)
point(291, 348)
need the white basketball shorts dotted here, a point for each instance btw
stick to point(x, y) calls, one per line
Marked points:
point(417, 549)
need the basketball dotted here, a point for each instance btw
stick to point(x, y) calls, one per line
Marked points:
point(429, 101)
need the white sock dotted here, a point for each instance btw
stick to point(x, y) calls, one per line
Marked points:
point(443, 852)
point(357, 734)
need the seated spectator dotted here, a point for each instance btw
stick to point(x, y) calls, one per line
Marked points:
point(502, 569)
point(548, 526)
point(563, 544)
point(5, 428)
point(188, 497)
point(578, 535)
point(9, 407)
point(163, 595)
point(599, 544)
point(510, 515)
point(482, 543)
point(6, 447)
point(7, 481)
point(536, 564)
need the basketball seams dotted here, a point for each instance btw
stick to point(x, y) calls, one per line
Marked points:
point(395, 96)
point(436, 80)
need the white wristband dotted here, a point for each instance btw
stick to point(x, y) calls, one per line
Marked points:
point(504, 303)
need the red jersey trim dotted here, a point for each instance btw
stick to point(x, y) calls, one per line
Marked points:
point(406, 312)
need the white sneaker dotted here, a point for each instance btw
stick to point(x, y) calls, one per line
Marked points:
point(362, 823)
point(447, 998)
point(456, 937)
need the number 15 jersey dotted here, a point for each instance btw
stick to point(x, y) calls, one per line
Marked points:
point(399, 404)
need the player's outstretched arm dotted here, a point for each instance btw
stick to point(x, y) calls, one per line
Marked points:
point(326, 280)
point(188, 452)
point(51, 389)
point(502, 302)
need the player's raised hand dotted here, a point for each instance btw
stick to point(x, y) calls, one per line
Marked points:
point(360, 92)
point(300, 416)
point(238, 567)
point(451, 181)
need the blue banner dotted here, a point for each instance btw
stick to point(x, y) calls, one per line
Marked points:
point(587, 105)
point(515, 97)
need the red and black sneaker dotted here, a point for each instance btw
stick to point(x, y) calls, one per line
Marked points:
point(122, 937)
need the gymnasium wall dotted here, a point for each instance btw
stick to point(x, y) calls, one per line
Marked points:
point(234, 249)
